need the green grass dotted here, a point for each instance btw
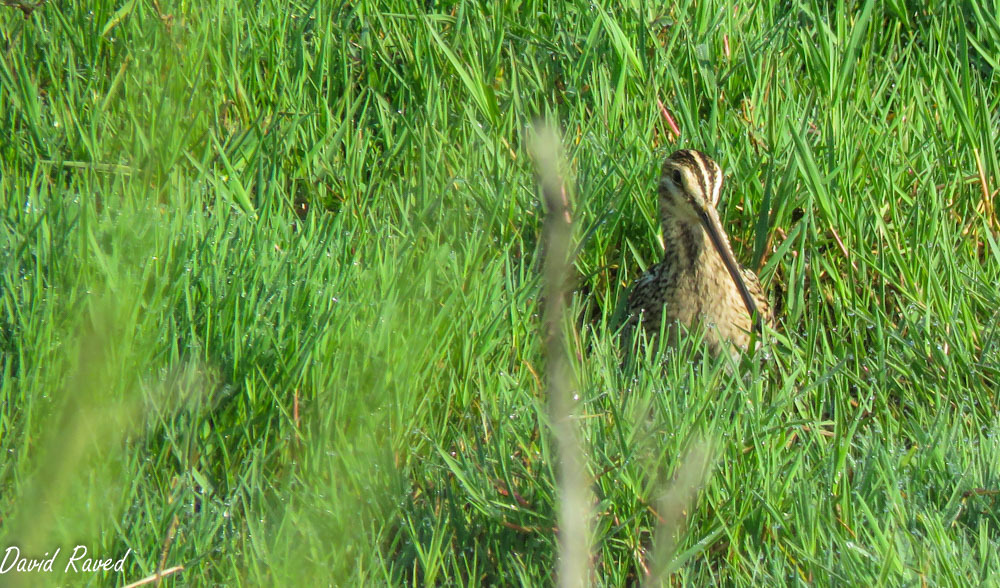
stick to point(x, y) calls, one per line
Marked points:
point(270, 290)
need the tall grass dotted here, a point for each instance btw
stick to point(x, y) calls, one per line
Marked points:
point(271, 297)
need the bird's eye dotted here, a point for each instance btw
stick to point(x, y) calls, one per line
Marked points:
point(677, 177)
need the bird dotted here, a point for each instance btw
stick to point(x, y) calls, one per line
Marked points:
point(698, 284)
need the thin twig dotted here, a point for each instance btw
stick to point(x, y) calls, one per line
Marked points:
point(670, 120)
point(157, 577)
point(171, 534)
point(987, 200)
point(843, 249)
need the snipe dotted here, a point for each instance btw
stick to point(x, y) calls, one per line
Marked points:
point(698, 284)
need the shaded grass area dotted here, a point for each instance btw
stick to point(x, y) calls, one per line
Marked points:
point(270, 288)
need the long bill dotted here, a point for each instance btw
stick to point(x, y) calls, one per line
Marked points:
point(734, 271)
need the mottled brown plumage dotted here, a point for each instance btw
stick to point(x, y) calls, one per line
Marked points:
point(698, 284)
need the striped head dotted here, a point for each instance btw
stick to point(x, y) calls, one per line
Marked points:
point(689, 187)
point(690, 183)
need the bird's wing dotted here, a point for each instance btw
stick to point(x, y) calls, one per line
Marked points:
point(758, 295)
